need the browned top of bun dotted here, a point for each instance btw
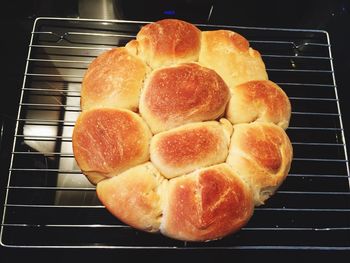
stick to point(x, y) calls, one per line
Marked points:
point(168, 41)
point(262, 143)
point(261, 153)
point(206, 204)
point(184, 93)
point(229, 54)
point(263, 147)
point(104, 141)
point(259, 100)
point(188, 147)
point(133, 196)
point(113, 79)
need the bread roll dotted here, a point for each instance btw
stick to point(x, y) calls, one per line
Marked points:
point(185, 93)
point(108, 141)
point(259, 100)
point(206, 204)
point(113, 79)
point(229, 54)
point(150, 134)
point(134, 196)
point(261, 154)
point(191, 146)
point(167, 42)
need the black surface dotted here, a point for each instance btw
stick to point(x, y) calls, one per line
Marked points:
point(17, 20)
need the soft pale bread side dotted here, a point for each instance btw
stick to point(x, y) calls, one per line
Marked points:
point(189, 147)
point(229, 54)
point(134, 196)
point(261, 153)
point(109, 141)
point(259, 100)
point(167, 42)
point(113, 79)
point(181, 94)
point(207, 204)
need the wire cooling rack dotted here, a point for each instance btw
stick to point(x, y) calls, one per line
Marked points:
point(50, 204)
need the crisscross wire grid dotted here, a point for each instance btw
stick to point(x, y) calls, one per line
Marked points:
point(49, 203)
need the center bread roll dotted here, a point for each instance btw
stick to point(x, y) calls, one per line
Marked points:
point(181, 94)
point(191, 146)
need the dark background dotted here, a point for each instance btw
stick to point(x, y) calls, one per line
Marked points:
point(16, 24)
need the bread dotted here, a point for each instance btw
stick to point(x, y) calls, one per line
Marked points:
point(259, 100)
point(189, 147)
point(167, 42)
point(104, 142)
point(113, 79)
point(134, 196)
point(182, 132)
point(232, 59)
point(180, 94)
point(261, 153)
point(206, 204)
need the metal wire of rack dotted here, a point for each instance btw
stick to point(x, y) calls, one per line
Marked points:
point(50, 204)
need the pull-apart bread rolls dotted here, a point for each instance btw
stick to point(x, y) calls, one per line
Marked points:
point(167, 42)
point(113, 79)
point(206, 204)
point(229, 54)
point(184, 93)
point(259, 100)
point(182, 132)
point(191, 146)
point(108, 141)
point(261, 154)
point(135, 196)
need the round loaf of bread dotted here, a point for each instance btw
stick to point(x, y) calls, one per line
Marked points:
point(229, 54)
point(182, 132)
point(259, 100)
point(261, 154)
point(108, 141)
point(207, 204)
point(113, 79)
point(167, 42)
point(184, 93)
point(191, 146)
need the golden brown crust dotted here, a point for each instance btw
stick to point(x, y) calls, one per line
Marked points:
point(133, 196)
point(188, 147)
point(194, 179)
point(181, 94)
point(259, 100)
point(260, 153)
point(232, 59)
point(167, 42)
point(206, 204)
point(113, 79)
point(104, 142)
point(132, 46)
